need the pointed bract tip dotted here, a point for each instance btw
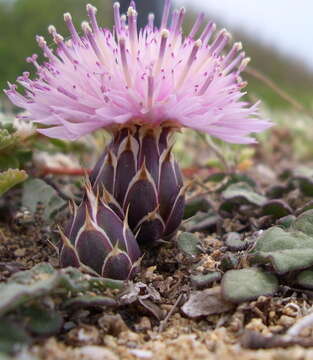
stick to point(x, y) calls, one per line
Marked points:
point(65, 240)
point(143, 172)
point(115, 251)
point(88, 225)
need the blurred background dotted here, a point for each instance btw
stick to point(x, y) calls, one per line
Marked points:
point(277, 35)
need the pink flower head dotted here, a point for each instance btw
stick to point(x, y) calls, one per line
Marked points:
point(106, 79)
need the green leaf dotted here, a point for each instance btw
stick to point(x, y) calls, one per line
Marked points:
point(10, 178)
point(305, 279)
point(86, 301)
point(242, 193)
point(286, 221)
point(229, 179)
point(40, 321)
point(192, 207)
point(276, 208)
point(12, 337)
point(202, 222)
point(229, 261)
point(304, 223)
point(9, 162)
point(37, 192)
point(189, 244)
point(303, 176)
point(247, 284)
point(235, 242)
point(43, 280)
point(286, 251)
point(6, 139)
point(204, 280)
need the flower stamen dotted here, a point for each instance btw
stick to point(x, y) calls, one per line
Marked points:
point(91, 11)
point(88, 32)
point(196, 26)
point(122, 45)
point(166, 13)
point(117, 17)
point(164, 37)
point(69, 23)
point(132, 28)
point(192, 58)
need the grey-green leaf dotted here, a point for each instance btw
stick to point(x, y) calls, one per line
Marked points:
point(305, 279)
point(189, 244)
point(304, 223)
point(201, 281)
point(286, 251)
point(243, 193)
point(247, 284)
point(43, 280)
point(276, 208)
point(40, 321)
point(37, 192)
point(235, 242)
point(12, 337)
point(304, 177)
point(86, 301)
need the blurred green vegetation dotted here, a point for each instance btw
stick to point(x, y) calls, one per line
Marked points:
point(290, 74)
point(21, 20)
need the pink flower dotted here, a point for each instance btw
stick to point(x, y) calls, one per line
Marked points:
point(106, 79)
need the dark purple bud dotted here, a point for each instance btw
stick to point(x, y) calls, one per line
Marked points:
point(106, 174)
point(176, 215)
point(76, 223)
point(93, 246)
point(110, 201)
point(141, 197)
point(149, 153)
point(117, 265)
point(169, 185)
point(146, 178)
point(68, 254)
point(164, 139)
point(94, 234)
point(150, 229)
point(98, 168)
point(126, 167)
point(118, 231)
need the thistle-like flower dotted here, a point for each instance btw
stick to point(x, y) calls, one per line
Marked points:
point(106, 79)
point(141, 87)
point(96, 238)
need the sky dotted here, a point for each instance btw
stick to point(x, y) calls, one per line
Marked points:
point(285, 24)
